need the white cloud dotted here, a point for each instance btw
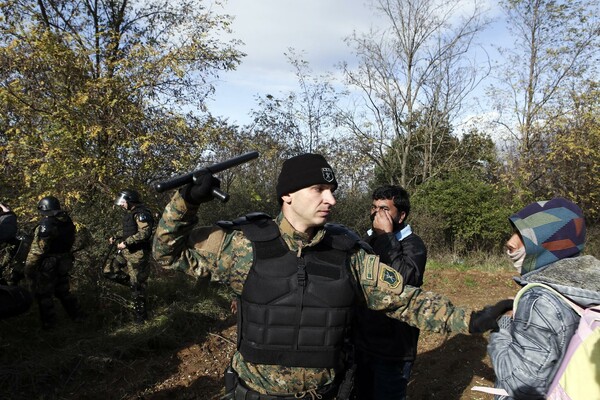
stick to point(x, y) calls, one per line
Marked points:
point(314, 28)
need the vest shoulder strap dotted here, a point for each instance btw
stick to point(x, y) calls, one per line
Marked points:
point(257, 226)
point(577, 308)
point(343, 238)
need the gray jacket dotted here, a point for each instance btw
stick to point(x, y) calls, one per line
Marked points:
point(527, 350)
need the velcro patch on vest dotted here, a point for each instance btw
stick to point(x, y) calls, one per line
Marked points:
point(323, 270)
point(390, 277)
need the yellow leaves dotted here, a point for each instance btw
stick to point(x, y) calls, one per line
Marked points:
point(81, 99)
point(87, 104)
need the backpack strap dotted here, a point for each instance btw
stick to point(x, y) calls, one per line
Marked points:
point(576, 307)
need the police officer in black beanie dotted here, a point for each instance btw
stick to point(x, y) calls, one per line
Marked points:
point(303, 171)
point(297, 280)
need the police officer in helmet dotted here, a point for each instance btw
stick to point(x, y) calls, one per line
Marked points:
point(50, 261)
point(130, 266)
point(8, 238)
point(14, 300)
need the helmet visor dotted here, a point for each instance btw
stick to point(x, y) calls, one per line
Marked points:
point(121, 200)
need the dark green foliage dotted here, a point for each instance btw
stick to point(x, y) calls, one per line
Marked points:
point(463, 213)
point(352, 210)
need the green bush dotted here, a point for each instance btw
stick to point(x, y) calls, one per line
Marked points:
point(462, 213)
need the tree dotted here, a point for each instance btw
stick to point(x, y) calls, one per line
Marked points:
point(89, 91)
point(463, 211)
point(417, 67)
point(305, 117)
point(554, 46)
point(572, 165)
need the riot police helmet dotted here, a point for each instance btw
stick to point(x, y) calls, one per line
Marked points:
point(49, 205)
point(127, 197)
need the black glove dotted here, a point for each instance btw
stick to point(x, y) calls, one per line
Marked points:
point(200, 191)
point(486, 319)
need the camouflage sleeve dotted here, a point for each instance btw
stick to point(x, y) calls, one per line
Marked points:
point(39, 246)
point(383, 289)
point(143, 234)
point(201, 252)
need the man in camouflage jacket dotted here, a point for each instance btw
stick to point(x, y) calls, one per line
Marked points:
point(130, 266)
point(50, 261)
point(14, 300)
point(225, 254)
point(8, 233)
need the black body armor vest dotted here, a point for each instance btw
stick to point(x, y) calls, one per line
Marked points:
point(62, 233)
point(295, 311)
point(130, 227)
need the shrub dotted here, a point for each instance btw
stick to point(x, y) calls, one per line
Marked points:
point(462, 213)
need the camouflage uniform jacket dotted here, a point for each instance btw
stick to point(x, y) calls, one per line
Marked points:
point(8, 232)
point(227, 256)
point(8, 226)
point(43, 241)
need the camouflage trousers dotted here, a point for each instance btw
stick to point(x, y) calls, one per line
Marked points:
point(129, 267)
point(235, 389)
point(51, 279)
point(6, 261)
point(12, 259)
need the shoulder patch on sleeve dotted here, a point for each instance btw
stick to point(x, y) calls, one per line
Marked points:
point(370, 272)
point(390, 278)
point(207, 239)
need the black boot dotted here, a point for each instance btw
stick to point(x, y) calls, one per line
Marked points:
point(139, 304)
point(71, 306)
point(47, 313)
point(141, 314)
point(118, 277)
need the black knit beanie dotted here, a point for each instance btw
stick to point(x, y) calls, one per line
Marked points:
point(303, 171)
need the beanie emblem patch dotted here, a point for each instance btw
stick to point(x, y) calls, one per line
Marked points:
point(327, 174)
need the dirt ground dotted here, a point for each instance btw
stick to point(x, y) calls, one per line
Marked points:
point(446, 368)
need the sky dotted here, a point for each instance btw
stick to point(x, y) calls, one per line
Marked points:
point(314, 28)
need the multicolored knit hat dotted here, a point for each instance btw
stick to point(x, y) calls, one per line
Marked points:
point(551, 230)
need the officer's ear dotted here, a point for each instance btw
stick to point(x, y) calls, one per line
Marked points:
point(286, 198)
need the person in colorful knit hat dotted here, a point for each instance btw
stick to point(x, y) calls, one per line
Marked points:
point(527, 348)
